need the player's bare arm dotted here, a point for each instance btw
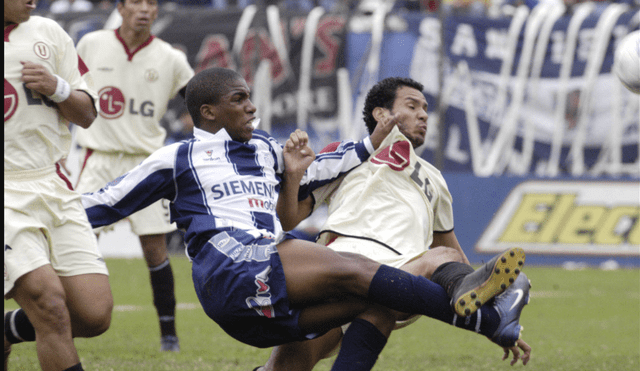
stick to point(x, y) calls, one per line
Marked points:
point(297, 158)
point(77, 108)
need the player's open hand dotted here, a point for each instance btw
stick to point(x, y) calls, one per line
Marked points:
point(526, 352)
point(383, 128)
point(297, 153)
point(36, 77)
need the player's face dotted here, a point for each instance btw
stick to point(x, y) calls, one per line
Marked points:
point(18, 11)
point(235, 111)
point(411, 106)
point(138, 15)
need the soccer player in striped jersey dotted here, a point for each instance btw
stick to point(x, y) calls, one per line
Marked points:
point(136, 75)
point(397, 210)
point(52, 266)
point(260, 288)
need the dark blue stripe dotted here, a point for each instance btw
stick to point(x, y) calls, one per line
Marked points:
point(187, 176)
point(243, 157)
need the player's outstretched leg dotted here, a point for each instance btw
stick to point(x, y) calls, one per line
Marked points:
point(509, 305)
point(486, 282)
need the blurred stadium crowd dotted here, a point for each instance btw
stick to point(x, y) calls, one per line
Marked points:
point(473, 7)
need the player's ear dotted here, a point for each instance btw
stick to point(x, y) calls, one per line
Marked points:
point(379, 113)
point(208, 112)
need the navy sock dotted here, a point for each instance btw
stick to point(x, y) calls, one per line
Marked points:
point(407, 293)
point(164, 297)
point(17, 327)
point(77, 367)
point(361, 345)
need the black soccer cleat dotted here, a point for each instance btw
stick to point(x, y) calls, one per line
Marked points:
point(169, 343)
point(486, 282)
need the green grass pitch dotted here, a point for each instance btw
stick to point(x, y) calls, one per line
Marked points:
point(576, 320)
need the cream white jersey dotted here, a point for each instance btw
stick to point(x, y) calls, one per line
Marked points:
point(36, 135)
point(395, 198)
point(134, 88)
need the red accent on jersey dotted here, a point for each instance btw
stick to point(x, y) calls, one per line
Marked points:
point(331, 147)
point(262, 287)
point(130, 53)
point(7, 31)
point(10, 100)
point(84, 163)
point(396, 156)
point(267, 311)
point(82, 67)
point(63, 177)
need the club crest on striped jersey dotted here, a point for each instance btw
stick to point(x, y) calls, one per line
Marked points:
point(397, 156)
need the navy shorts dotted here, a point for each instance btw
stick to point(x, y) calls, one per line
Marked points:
point(240, 283)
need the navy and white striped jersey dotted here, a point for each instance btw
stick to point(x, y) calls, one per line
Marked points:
point(217, 184)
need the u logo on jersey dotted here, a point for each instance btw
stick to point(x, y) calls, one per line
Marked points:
point(111, 102)
point(261, 303)
point(10, 100)
point(42, 50)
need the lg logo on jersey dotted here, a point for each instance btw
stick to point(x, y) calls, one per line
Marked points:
point(113, 104)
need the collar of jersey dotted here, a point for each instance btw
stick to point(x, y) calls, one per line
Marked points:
point(205, 135)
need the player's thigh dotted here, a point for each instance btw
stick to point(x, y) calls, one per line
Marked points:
point(79, 264)
point(28, 218)
point(425, 264)
point(90, 303)
point(315, 273)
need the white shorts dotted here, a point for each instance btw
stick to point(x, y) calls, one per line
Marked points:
point(45, 223)
point(379, 253)
point(99, 168)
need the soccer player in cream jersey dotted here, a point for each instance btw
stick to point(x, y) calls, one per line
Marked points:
point(136, 74)
point(397, 210)
point(52, 266)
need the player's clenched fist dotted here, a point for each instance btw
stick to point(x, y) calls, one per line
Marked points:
point(36, 77)
point(297, 153)
point(386, 122)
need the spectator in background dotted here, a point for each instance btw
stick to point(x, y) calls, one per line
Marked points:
point(63, 6)
point(180, 129)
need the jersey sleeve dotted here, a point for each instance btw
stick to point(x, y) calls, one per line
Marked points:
point(152, 180)
point(443, 208)
point(71, 68)
point(183, 72)
point(329, 166)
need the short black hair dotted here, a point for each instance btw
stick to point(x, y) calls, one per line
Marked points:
point(206, 87)
point(383, 94)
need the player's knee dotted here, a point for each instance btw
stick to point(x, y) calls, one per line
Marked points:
point(96, 321)
point(49, 313)
point(355, 274)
